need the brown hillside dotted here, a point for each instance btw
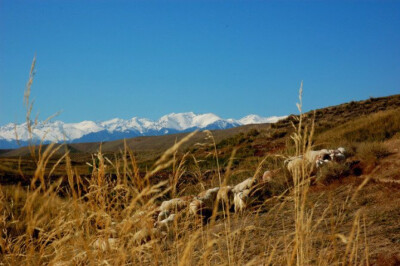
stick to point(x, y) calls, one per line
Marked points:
point(344, 213)
point(326, 118)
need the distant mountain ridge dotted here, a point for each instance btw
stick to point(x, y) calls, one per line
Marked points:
point(114, 129)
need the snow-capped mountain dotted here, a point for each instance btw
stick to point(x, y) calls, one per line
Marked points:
point(255, 119)
point(89, 131)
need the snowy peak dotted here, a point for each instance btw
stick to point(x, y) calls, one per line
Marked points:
point(255, 119)
point(176, 121)
point(252, 119)
point(90, 131)
point(183, 121)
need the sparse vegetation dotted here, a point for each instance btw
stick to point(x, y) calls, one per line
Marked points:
point(375, 127)
point(331, 172)
point(372, 151)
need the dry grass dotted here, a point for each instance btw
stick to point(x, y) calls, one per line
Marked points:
point(98, 220)
point(370, 128)
point(372, 151)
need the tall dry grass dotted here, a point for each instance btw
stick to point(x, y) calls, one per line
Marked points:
point(109, 219)
point(374, 127)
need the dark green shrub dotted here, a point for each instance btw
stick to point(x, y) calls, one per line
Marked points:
point(331, 172)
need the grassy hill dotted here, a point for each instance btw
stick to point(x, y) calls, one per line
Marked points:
point(151, 144)
point(341, 214)
point(325, 119)
point(374, 119)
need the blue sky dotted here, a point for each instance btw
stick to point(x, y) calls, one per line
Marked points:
point(97, 60)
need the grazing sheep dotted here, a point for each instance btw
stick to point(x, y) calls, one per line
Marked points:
point(163, 215)
point(320, 163)
point(288, 160)
point(225, 197)
point(173, 204)
point(332, 155)
point(241, 200)
point(266, 177)
point(310, 157)
point(196, 206)
point(203, 203)
point(262, 189)
point(165, 224)
point(327, 156)
point(246, 184)
point(294, 164)
point(212, 192)
point(209, 197)
point(146, 234)
point(318, 158)
point(313, 156)
point(338, 155)
point(323, 157)
point(269, 175)
point(187, 198)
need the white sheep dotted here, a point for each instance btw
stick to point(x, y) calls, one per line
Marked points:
point(268, 176)
point(225, 196)
point(212, 192)
point(196, 206)
point(288, 160)
point(332, 155)
point(173, 204)
point(338, 155)
point(310, 157)
point(246, 184)
point(145, 234)
point(327, 156)
point(204, 201)
point(313, 156)
point(209, 197)
point(294, 164)
point(162, 215)
point(241, 200)
point(165, 224)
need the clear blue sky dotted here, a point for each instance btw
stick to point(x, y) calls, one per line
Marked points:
point(97, 60)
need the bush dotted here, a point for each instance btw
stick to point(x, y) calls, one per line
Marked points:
point(331, 172)
point(253, 133)
point(372, 151)
point(279, 133)
point(232, 141)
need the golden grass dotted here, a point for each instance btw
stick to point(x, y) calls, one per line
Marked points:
point(372, 151)
point(108, 220)
point(371, 128)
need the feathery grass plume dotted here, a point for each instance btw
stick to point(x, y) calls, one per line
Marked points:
point(16, 134)
point(301, 182)
point(29, 105)
point(41, 158)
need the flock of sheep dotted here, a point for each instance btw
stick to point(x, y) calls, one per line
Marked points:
point(236, 198)
point(318, 158)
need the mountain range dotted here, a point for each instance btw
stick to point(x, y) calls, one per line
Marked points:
point(14, 136)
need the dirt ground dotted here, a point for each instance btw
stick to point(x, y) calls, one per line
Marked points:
point(378, 204)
